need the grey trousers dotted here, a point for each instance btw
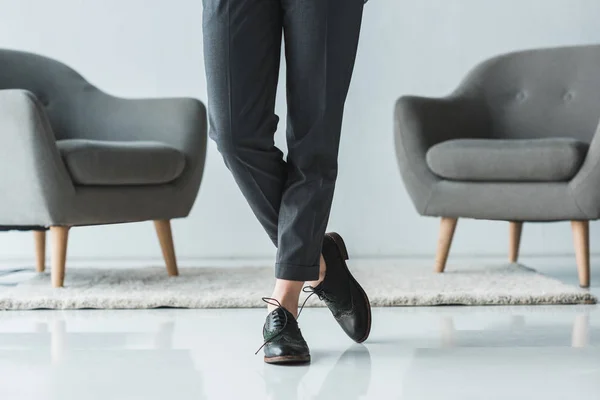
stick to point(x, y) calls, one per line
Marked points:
point(242, 44)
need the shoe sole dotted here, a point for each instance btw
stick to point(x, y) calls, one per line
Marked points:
point(288, 360)
point(339, 242)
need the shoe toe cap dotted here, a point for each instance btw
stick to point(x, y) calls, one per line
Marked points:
point(285, 350)
point(356, 324)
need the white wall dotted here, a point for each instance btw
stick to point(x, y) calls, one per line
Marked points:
point(154, 48)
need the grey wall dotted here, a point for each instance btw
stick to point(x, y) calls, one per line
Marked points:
point(154, 48)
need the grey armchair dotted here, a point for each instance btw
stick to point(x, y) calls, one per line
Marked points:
point(72, 155)
point(518, 141)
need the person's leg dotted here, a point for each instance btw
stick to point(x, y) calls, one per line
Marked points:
point(321, 39)
point(242, 45)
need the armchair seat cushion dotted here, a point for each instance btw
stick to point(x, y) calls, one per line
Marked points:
point(115, 163)
point(490, 160)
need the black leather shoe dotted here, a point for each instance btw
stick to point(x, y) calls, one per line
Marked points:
point(343, 295)
point(284, 343)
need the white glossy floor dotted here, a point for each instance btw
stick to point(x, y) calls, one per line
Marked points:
point(414, 353)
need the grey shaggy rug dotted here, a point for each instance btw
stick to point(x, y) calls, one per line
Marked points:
point(144, 288)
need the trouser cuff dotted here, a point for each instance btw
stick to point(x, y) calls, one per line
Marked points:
point(293, 272)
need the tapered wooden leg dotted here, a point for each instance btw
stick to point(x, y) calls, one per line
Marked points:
point(581, 238)
point(40, 250)
point(515, 241)
point(60, 236)
point(447, 228)
point(165, 237)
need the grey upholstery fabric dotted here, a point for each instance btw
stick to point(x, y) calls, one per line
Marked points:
point(512, 160)
point(546, 93)
point(100, 162)
point(42, 100)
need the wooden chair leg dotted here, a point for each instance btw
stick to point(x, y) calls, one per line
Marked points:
point(165, 237)
point(447, 227)
point(516, 228)
point(581, 239)
point(60, 236)
point(40, 250)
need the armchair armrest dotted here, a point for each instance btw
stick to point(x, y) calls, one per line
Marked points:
point(585, 186)
point(420, 123)
point(34, 179)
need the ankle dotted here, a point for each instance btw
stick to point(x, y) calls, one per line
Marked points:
point(290, 303)
point(322, 273)
point(287, 293)
point(291, 306)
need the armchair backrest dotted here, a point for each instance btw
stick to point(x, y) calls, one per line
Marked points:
point(58, 88)
point(540, 93)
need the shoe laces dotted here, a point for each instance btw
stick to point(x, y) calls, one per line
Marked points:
point(278, 321)
point(321, 294)
point(282, 323)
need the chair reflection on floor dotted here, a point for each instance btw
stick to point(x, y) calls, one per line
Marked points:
point(100, 364)
point(451, 337)
point(581, 331)
point(517, 358)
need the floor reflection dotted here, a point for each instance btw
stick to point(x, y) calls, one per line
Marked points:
point(348, 379)
point(518, 333)
point(523, 355)
point(102, 365)
point(425, 353)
